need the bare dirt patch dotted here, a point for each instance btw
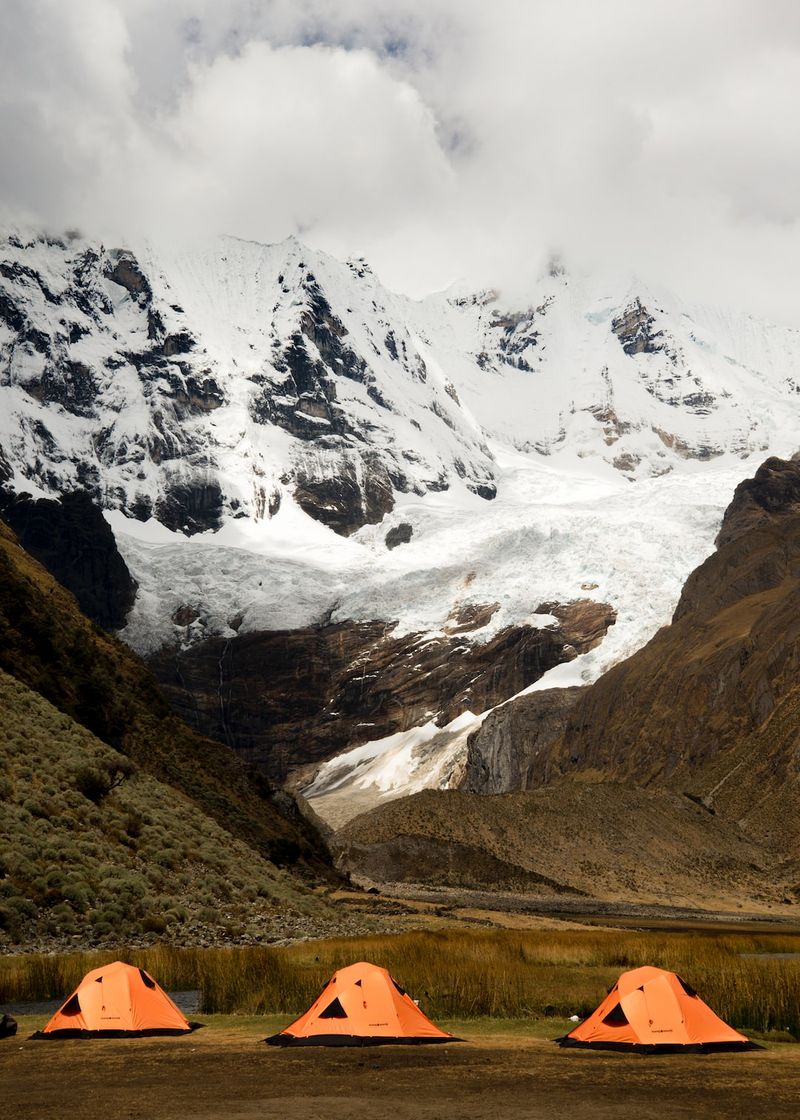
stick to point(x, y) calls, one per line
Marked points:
point(224, 1073)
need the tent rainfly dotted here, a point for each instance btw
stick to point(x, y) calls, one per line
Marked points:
point(361, 1006)
point(116, 1000)
point(651, 1010)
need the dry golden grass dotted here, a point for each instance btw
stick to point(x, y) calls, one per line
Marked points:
point(459, 974)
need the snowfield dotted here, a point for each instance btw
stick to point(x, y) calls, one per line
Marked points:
point(555, 532)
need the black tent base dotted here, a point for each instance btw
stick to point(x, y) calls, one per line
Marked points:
point(351, 1040)
point(666, 1048)
point(155, 1033)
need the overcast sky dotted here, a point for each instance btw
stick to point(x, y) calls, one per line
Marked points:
point(441, 139)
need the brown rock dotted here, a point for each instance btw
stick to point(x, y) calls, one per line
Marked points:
point(470, 616)
point(288, 698)
point(510, 750)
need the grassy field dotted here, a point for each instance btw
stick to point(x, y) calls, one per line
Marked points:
point(458, 974)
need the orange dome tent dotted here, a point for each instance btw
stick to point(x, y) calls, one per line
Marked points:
point(653, 1010)
point(361, 1006)
point(116, 1000)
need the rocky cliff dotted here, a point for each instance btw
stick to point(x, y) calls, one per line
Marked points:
point(71, 538)
point(511, 749)
point(296, 697)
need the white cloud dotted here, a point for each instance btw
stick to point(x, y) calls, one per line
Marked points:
point(436, 137)
point(296, 138)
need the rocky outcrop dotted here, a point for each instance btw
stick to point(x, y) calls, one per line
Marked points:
point(122, 268)
point(192, 503)
point(711, 705)
point(359, 493)
point(510, 750)
point(773, 492)
point(583, 622)
point(399, 534)
point(635, 329)
point(469, 617)
point(72, 539)
point(286, 699)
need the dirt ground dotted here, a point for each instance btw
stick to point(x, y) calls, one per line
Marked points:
point(226, 1073)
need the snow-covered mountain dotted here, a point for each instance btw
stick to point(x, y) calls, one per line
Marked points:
point(205, 385)
point(280, 441)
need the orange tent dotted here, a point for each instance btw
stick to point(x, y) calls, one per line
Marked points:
point(361, 1006)
point(116, 999)
point(650, 1009)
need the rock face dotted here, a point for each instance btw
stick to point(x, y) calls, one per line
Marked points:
point(400, 534)
point(289, 698)
point(360, 494)
point(711, 705)
point(636, 331)
point(510, 751)
point(71, 538)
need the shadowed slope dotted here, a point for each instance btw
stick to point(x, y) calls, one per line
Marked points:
point(48, 645)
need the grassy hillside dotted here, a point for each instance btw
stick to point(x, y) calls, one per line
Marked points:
point(117, 821)
point(91, 844)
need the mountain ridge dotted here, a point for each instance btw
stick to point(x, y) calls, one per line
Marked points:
point(259, 423)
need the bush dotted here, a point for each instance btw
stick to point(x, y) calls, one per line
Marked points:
point(154, 923)
point(23, 907)
point(133, 824)
point(77, 896)
point(92, 784)
point(96, 782)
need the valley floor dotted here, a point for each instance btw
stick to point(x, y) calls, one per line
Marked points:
point(507, 1070)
